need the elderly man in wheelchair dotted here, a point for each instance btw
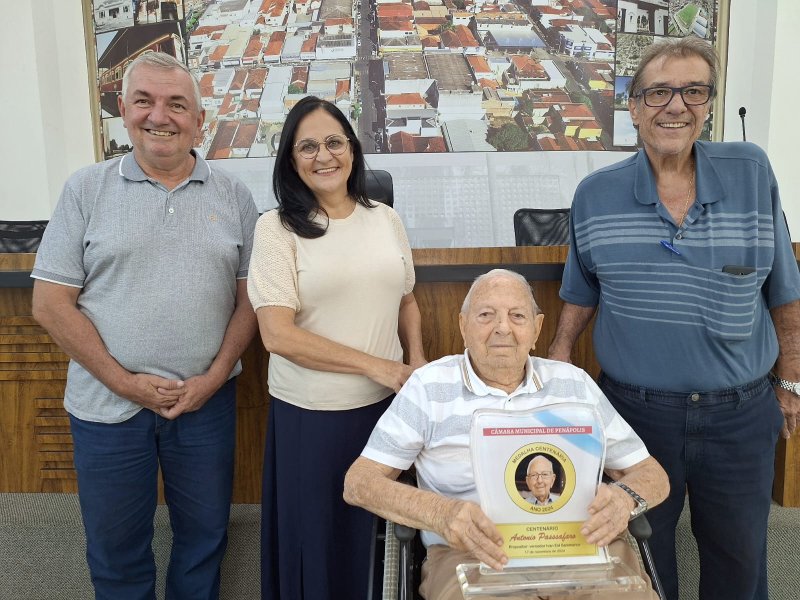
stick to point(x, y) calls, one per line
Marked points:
point(428, 425)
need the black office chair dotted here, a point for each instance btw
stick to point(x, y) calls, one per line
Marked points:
point(21, 236)
point(380, 187)
point(541, 227)
point(403, 553)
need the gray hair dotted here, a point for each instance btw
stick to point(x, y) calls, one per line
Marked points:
point(680, 48)
point(542, 456)
point(165, 62)
point(498, 274)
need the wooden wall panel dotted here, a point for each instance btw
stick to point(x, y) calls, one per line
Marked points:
point(786, 490)
point(440, 332)
point(252, 405)
point(36, 448)
point(32, 377)
point(53, 444)
point(34, 433)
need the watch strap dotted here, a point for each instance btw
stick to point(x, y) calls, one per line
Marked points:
point(789, 386)
point(641, 503)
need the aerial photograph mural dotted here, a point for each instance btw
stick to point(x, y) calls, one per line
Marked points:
point(415, 76)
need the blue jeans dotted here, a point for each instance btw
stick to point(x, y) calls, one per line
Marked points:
point(117, 466)
point(720, 447)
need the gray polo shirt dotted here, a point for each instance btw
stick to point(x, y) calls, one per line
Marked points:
point(157, 271)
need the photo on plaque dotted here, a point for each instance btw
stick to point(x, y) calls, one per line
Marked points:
point(536, 472)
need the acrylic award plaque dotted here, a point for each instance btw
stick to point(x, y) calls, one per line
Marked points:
point(536, 472)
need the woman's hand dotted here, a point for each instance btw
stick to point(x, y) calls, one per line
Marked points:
point(391, 373)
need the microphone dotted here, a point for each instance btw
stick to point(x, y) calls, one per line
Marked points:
point(742, 113)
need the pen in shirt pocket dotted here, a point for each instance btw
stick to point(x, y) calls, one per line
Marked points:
point(670, 247)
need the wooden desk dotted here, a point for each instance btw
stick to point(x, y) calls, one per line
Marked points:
point(444, 276)
point(34, 430)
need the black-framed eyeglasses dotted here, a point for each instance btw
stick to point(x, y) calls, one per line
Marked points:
point(692, 95)
point(539, 475)
point(309, 148)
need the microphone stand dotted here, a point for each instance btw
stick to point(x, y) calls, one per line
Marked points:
point(742, 113)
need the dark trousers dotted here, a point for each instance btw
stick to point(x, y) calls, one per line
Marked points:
point(314, 546)
point(117, 467)
point(720, 447)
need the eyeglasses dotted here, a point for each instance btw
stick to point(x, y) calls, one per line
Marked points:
point(539, 475)
point(309, 148)
point(692, 95)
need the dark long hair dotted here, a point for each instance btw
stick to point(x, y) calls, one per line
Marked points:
point(297, 205)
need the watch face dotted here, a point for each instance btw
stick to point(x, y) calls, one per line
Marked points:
point(796, 388)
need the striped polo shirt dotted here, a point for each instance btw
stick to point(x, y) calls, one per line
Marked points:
point(428, 422)
point(671, 314)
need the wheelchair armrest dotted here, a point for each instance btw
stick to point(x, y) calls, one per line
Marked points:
point(403, 533)
point(640, 528)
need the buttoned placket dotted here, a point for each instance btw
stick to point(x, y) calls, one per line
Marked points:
point(674, 245)
point(170, 208)
point(171, 216)
point(688, 219)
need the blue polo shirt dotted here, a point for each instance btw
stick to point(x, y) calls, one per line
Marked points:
point(669, 317)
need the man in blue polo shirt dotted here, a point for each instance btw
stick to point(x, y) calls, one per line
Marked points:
point(141, 278)
point(683, 252)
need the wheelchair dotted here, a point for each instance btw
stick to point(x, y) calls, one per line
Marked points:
point(397, 554)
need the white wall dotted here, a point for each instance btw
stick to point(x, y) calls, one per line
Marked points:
point(762, 68)
point(46, 120)
point(45, 116)
point(750, 68)
point(782, 144)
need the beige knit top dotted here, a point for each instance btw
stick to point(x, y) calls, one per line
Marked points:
point(345, 286)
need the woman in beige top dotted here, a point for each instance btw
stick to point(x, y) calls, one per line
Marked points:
point(331, 280)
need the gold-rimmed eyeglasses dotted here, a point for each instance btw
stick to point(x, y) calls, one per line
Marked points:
point(309, 148)
point(692, 95)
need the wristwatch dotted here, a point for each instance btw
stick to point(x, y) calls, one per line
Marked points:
point(641, 503)
point(789, 386)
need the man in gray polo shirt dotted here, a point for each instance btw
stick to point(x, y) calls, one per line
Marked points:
point(141, 279)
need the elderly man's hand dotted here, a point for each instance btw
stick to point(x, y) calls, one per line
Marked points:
point(609, 513)
point(790, 406)
point(465, 527)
